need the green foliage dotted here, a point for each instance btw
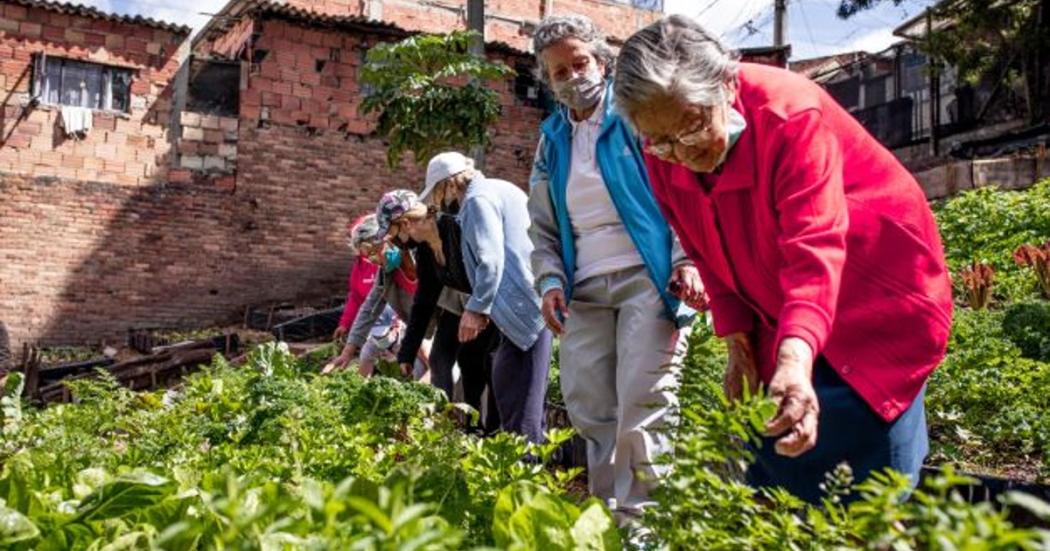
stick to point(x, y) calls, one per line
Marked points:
point(981, 407)
point(987, 225)
point(429, 94)
point(266, 456)
point(1027, 325)
point(705, 505)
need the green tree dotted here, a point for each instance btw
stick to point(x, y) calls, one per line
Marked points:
point(998, 41)
point(429, 94)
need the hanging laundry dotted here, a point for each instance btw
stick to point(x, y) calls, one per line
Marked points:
point(77, 121)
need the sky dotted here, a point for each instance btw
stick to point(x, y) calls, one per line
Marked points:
point(813, 28)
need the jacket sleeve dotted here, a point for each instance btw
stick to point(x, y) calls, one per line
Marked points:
point(483, 242)
point(423, 306)
point(546, 256)
point(353, 297)
point(368, 314)
point(810, 199)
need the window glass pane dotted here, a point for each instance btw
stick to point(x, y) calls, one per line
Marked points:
point(121, 90)
point(52, 82)
point(81, 84)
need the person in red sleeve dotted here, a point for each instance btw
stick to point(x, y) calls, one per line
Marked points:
point(820, 254)
point(363, 241)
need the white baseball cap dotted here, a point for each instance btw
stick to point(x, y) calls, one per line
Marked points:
point(443, 166)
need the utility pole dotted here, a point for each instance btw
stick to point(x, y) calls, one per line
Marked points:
point(780, 16)
point(476, 23)
point(935, 91)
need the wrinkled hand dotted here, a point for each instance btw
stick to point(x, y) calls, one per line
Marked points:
point(339, 334)
point(554, 304)
point(340, 361)
point(471, 325)
point(406, 370)
point(685, 284)
point(797, 408)
point(741, 369)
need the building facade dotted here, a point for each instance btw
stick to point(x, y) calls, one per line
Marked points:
point(217, 173)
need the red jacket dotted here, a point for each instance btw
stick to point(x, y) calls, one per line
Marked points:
point(362, 277)
point(812, 229)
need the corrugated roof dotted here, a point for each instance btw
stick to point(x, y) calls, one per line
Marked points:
point(85, 11)
point(236, 9)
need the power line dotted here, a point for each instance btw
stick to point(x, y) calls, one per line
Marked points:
point(707, 7)
point(805, 21)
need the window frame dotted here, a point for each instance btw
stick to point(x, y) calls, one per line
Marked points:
point(107, 76)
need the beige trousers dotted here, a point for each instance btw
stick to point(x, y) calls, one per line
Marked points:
point(618, 378)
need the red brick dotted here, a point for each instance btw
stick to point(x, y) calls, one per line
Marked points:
point(18, 13)
point(30, 29)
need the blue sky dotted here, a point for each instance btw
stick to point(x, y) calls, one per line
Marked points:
point(813, 29)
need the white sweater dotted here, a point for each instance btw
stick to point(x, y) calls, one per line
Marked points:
point(603, 245)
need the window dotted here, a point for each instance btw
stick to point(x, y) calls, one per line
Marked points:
point(59, 81)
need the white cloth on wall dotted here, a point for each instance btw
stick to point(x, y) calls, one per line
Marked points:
point(76, 120)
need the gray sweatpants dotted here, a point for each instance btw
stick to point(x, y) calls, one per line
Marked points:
point(618, 381)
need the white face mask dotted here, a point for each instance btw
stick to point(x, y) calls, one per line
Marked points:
point(735, 125)
point(580, 92)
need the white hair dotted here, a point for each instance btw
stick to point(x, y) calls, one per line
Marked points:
point(555, 28)
point(673, 58)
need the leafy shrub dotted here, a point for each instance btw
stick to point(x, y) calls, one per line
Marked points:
point(988, 225)
point(982, 409)
point(705, 505)
point(1027, 325)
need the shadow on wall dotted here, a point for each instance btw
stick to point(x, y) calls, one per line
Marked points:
point(182, 255)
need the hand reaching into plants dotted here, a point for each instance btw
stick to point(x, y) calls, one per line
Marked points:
point(339, 334)
point(741, 368)
point(340, 361)
point(792, 389)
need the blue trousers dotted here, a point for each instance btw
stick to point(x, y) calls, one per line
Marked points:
point(848, 431)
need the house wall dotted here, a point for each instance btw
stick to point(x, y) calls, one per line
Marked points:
point(61, 197)
point(155, 220)
point(505, 18)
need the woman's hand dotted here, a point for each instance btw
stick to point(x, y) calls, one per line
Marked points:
point(340, 361)
point(554, 304)
point(471, 325)
point(339, 334)
point(741, 371)
point(685, 284)
point(797, 408)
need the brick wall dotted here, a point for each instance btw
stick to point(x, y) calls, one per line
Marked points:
point(126, 148)
point(252, 211)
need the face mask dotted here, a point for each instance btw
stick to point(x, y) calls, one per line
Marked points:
point(735, 126)
point(581, 92)
point(392, 255)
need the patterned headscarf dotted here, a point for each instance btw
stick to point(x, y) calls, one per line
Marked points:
point(393, 206)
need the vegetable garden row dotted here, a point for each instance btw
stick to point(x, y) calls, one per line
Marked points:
point(270, 455)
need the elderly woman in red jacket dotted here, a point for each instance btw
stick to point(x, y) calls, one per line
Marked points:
point(819, 252)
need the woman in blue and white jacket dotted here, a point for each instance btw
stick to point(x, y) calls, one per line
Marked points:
point(605, 262)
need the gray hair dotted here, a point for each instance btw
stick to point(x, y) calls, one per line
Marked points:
point(673, 58)
point(556, 28)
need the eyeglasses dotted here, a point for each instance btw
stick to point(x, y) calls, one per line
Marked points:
point(664, 149)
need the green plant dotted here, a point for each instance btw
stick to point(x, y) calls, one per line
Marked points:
point(1027, 325)
point(988, 225)
point(429, 94)
point(977, 280)
point(1037, 258)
